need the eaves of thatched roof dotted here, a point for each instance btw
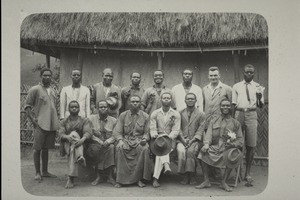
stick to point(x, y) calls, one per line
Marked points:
point(145, 30)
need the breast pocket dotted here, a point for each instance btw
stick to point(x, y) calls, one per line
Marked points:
point(42, 100)
point(215, 130)
point(139, 128)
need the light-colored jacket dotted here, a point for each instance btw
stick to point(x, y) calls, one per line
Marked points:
point(66, 96)
point(170, 126)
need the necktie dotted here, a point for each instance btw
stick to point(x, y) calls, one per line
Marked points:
point(247, 92)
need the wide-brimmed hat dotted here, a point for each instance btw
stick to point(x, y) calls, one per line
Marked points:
point(234, 157)
point(161, 146)
point(112, 102)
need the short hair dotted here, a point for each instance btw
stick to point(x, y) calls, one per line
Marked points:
point(74, 101)
point(249, 66)
point(107, 69)
point(166, 93)
point(225, 100)
point(102, 101)
point(75, 69)
point(158, 70)
point(214, 68)
point(44, 70)
point(135, 96)
point(187, 69)
point(191, 93)
point(136, 73)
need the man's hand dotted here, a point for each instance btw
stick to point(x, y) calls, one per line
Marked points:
point(80, 142)
point(258, 96)
point(105, 144)
point(152, 98)
point(120, 144)
point(143, 142)
point(154, 136)
point(205, 148)
point(34, 122)
point(229, 145)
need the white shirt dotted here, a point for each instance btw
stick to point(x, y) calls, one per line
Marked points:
point(239, 95)
point(179, 92)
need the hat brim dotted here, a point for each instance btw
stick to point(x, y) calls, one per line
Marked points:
point(165, 151)
point(233, 164)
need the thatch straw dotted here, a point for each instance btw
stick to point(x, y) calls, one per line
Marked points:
point(145, 29)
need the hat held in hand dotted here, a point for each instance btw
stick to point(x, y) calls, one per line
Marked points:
point(234, 157)
point(161, 146)
point(112, 102)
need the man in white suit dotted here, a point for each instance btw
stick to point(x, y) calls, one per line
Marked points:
point(77, 92)
point(185, 87)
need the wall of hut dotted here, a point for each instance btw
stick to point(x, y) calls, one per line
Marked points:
point(123, 63)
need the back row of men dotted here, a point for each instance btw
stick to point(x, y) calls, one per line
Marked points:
point(156, 115)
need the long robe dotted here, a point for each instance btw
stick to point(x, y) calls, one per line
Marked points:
point(133, 160)
point(216, 138)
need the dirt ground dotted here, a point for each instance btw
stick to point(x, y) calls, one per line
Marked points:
point(169, 184)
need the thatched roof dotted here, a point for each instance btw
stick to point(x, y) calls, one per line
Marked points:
point(145, 29)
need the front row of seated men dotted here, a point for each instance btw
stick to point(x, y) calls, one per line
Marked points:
point(123, 143)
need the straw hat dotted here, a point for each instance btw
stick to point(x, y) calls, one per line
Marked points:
point(161, 146)
point(234, 156)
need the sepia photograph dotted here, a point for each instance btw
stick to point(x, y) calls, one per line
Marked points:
point(150, 99)
point(172, 103)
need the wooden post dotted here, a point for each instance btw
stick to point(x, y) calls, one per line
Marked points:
point(236, 66)
point(160, 61)
point(47, 60)
point(80, 60)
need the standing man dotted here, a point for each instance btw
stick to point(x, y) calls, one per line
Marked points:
point(132, 150)
point(40, 108)
point(164, 120)
point(74, 131)
point(223, 142)
point(185, 87)
point(133, 89)
point(76, 92)
point(151, 99)
point(214, 93)
point(190, 142)
point(101, 149)
point(106, 89)
point(247, 95)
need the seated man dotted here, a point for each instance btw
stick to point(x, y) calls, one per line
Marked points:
point(222, 142)
point(74, 131)
point(164, 120)
point(101, 149)
point(188, 146)
point(132, 151)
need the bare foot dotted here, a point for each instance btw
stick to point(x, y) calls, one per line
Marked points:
point(70, 184)
point(97, 181)
point(205, 184)
point(155, 183)
point(112, 181)
point(81, 161)
point(38, 177)
point(167, 169)
point(226, 187)
point(185, 180)
point(193, 181)
point(118, 185)
point(47, 174)
point(141, 184)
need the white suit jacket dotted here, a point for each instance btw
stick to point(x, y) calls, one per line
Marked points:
point(180, 93)
point(66, 96)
